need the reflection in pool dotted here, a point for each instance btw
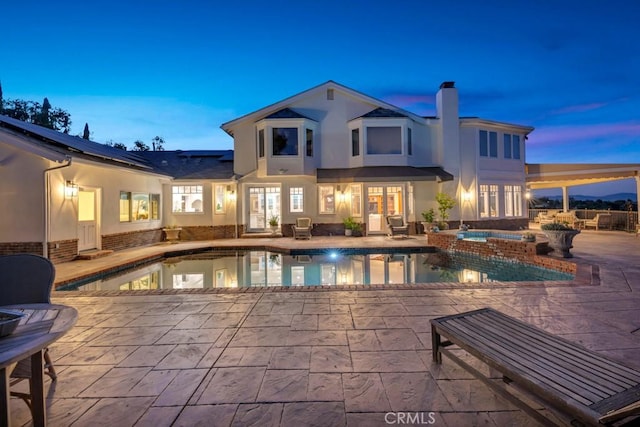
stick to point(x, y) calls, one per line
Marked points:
point(261, 268)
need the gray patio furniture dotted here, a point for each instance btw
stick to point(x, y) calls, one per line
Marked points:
point(26, 279)
point(302, 228)
point(397, 226)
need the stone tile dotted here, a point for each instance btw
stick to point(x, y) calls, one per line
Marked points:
point(223, 320)
point(398, 339)
point(147, 355)
point(314, 414)
point(217, 307)
point(153, 383)
point(311, 308)
point(206, 416)
point(188, 308)
point(89, 355)
point(258, 415)
point(190, 336)
point(284, 385)
point(387, 361)
point(267, 320)
point(396, 322)
point(304, 322)
point(130, 336)
point(371, 419)
point(117, 382)
point(62, 412)
point(316, 338)
point(330, 359)
point(363, 340)
point(184, 356)
point(181, 388)
point(226, 337)
point(364, 393)
point(369, 322)
point(335, 321)
point(244, 356)
point(414, 392)
point(341, 307)
point(378, 309)
point(119, 321)
point(210, 357)
point(233, 385)
point(75, 379)
point(193, 321)
point(159, 416)
point(325, 387)
point(472, 395)
point(120, 411)
point(290, 358)
point(260, 337)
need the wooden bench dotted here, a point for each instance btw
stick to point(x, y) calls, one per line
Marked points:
point(585, 387)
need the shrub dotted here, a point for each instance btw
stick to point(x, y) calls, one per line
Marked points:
point(555, 226)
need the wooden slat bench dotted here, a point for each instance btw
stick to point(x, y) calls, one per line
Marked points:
point(584, 386)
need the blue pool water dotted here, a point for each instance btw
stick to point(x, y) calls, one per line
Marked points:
point(481, 236)
point(261, 268)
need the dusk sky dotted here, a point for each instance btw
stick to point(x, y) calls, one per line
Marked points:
point(179, 69)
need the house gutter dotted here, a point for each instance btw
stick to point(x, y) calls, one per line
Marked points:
point(47, 205)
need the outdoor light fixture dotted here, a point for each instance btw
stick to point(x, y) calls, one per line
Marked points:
point(70, 190)
point(466, 196)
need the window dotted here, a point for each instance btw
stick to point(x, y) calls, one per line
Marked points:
point(356, 200)
point(285, 141)
point(309, 143)
point(139, 206)
point(511, 146)
point(512, 200)
point(327, 199)
point(409, 143)
point(296, 199)
point(261, 143)
point(219, 198)
point(488, 144)
point(488, 200)
point(125, 206)
point(384, 140)
point(355, 142)
point(507, 146)
point(186, 198)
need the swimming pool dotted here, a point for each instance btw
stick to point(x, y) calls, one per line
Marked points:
point(263, 268)
point(481, 236)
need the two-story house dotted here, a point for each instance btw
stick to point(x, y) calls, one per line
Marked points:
point(332, 152)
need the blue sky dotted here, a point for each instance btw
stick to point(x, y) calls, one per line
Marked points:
point(136, 69)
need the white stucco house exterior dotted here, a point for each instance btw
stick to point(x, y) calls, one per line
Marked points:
point(326, 153)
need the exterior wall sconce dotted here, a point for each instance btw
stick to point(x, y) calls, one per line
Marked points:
point(231, 193)
point(70, 190)
point(466, 196)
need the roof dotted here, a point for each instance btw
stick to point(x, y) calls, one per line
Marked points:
point(57, 143)
point(556, 175)
point(383, 112)
point(196, 164)
point(383, 173)
point(287, 113)
point(285, 103)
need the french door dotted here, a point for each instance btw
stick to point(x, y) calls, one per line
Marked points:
point(264, 203)
point(88, 226)
point(382, 201)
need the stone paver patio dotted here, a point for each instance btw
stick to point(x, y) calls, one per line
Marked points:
point(323, 357)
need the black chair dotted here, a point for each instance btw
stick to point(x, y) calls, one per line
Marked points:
point(26, 279)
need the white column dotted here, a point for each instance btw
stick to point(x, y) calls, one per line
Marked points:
point(565, 199)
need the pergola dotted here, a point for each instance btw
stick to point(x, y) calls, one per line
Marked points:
point(565, 175)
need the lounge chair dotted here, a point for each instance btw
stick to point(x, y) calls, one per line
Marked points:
point(600, 221)
point(302, 228)
point(397, 226)
point(26, 279)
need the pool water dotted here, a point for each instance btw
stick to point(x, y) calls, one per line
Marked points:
point(481, 236)
point(261, 268)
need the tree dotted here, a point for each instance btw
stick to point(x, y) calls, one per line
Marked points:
point(1, 100)
point(139, 146)
point(33, 112)
point(42, 117)
point(86, 133)
point(119, 145)
point(445, 203)
point(157, 143)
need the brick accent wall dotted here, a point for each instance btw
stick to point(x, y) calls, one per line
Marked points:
point(526, 252)
point(119, 241)
point(63, 250)
point(11, 248)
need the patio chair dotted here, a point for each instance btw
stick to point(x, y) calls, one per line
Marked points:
point(600, 221)
point(26, 279)
point(397, 226)
point(302, 228)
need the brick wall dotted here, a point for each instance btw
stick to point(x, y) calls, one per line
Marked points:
point(63, 250)
point(119, 241)
point(11, 248)
point(526, 252)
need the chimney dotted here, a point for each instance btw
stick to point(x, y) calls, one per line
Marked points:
point(449, 129)
point(447, 102)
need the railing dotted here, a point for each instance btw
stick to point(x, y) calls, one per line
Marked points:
point(620, 220)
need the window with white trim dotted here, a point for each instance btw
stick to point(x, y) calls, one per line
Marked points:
point(296, 199)
point(186, 199)
point(384, 140)
point(285, 141)
point(511, 145)
point(219, 201)
point(488, 201)
point(488, 144)
point(139, 206)
point(513, 200)
point(356, 200)
point(326, 199)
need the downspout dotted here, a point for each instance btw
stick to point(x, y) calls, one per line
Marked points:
point(47, 205)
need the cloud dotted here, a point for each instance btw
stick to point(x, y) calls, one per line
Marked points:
point(579, 108)
point(576, 133)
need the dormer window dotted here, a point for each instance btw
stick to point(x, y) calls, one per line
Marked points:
point(285, 141)
point(384, 140)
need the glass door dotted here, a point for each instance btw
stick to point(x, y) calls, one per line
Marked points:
point(264, 203)
point(383, 201)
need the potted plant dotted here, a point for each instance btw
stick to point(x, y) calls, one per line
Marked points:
point(349, 223)
point(172, 233)
point(274, 220)
point(428, 217)
point(528, 236)
point(445, 204)
point(356, 229)
point(560, 238)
